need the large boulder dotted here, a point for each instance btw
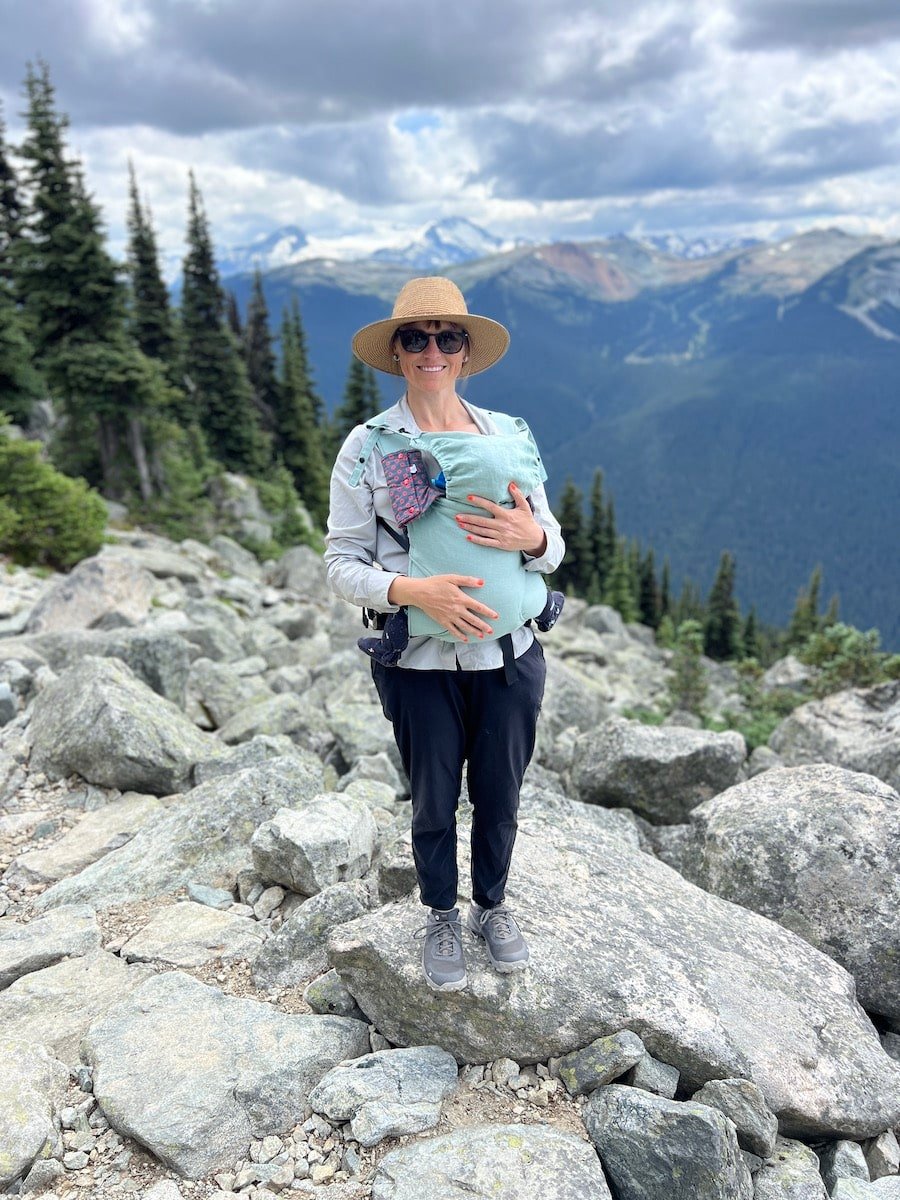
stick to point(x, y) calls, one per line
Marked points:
point(244, 1072)
point(188, 934)
point(621, 941)
point(512, 1162)
point(99, 591)
point(659, 772)
point(98, 720)
point(297, 949)
point(32, 1089)
point(792, 1173)
point(858, 729)
point(647, 1143)
point(158, 659)
point(204, 838)
point(817, 849)
point(54, 1007)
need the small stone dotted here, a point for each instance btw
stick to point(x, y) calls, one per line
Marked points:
point(322, 1172)
point(540, 1098)
point(654, 1076)
point(599, 1063)
point(301, 1169)
point(267, 902)
point(213, 897)
point(883, 1156)
point(67, 1117)
point(350, 1161)
point(84, 1079)
point(503, 1069)
point(225, 1180)
point(75, 1160)
point(843, 1159)
point(41, 1175)
point(269, 1147)
point(376, 1041)
point(241, 910)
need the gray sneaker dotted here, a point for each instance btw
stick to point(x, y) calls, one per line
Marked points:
point(504, 942)
point(442, 951)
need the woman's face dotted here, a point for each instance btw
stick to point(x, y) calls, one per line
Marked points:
point(430, 370)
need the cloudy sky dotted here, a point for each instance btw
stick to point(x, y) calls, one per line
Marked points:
point(534, 118)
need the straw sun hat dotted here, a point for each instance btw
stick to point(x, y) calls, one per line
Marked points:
point(433, 298)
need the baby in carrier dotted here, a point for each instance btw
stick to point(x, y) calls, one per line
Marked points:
point(423, 508)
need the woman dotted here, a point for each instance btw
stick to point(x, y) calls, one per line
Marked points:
point(463, 680)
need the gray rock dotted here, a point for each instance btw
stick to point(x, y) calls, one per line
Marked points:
point(331, 840)
point(220, 898)
point(98, 590)
point(327, 994)
point(221, 693)
point(388, 1094)
point(189, 935)
point(42, 1176)
point(286, 714)
point(788, 674)
point(297, 950)
point(8, 704)
point(301, 571)
point(618, 940)
point(652, 1075)
point(361, 729)
point(247, 1075)
point(853, 1189)
point(267, 901)
point(379, 769)
point(843, 1159)
point(646, 1142)
point(237, 557)
point(258, 750)
point(792, 1173)
point(891, 1043)
point(661, 773)
point(32, 1090)
point(100, 722)
point(858, 729)
point(96, 834)
point(745, 1106)
point(515, 1162)
point(886, 1188)
point(762, 758)
point(817, 849)
point(883, 1156)
point(601, 1062)
point(54, 1007)
point(69, 932)
point(202, 839)
point(158, 659)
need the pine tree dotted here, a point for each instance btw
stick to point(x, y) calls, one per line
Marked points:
point(722, 628)
point(665, 590)
point(573, 575)
point(74, 304)
point(689, 605)
point(752, 645)
point(603, 546)
point(299, 435)
point(152, 324)
point(357, 405)
point(805, 619)
point(619, 592)
point(233, 317)
point(649, 600)
point(688, 684)
point(260, 357)
point(221, 395)
point(11, 215)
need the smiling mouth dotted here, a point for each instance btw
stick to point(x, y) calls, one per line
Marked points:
point(430, 369)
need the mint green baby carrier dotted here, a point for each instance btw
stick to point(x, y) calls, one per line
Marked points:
point(473, 464)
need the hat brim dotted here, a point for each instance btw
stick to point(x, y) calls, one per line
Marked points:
point(488, 341)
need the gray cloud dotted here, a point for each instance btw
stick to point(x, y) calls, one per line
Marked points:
point(199, 67)
point(815, 25)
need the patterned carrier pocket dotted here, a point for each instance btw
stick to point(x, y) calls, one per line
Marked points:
point(411, 491)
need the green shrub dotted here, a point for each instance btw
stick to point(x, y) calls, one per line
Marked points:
point(45, 518)
point(846, 657)
point(688, 686)
point(291, 528)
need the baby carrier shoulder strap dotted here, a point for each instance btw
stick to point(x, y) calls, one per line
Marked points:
point(384, 437)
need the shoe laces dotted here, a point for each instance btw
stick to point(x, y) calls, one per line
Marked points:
point(445, 935)
point(501, 921)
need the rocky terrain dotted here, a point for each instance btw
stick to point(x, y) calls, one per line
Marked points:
point(209, 979)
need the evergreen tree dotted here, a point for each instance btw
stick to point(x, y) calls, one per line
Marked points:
point(649, 600)
point(357, 405)
point(221, 395)
point(260, 357)
point(722, 628)
point(665, 590)
point(74, 304)
point(603, 546)
point(20, 384)
point(806, 619)
point(11, 215)
point(689, 606)
point(233, 317)
point(619, 592)
point(299, 435)
point(752, 644)
point(688, 685)
point(152, 324)
point(573, 575)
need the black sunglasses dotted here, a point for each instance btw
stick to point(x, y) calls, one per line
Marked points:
point(448, 341)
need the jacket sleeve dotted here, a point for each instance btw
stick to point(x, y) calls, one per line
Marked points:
point(556, 548)
point(352, 537)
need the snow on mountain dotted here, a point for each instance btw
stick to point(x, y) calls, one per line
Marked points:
point(442, 243)
point(267, 251)
point(698, 247)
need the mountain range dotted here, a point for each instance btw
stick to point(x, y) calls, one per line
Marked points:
point(745, 399)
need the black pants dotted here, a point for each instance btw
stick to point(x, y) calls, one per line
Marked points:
point(442, 719)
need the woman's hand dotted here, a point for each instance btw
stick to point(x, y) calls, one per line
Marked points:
point(505, 528)
point(441, 597)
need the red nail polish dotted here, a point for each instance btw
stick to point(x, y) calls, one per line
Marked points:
point(468, 537)
point(470, 497)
